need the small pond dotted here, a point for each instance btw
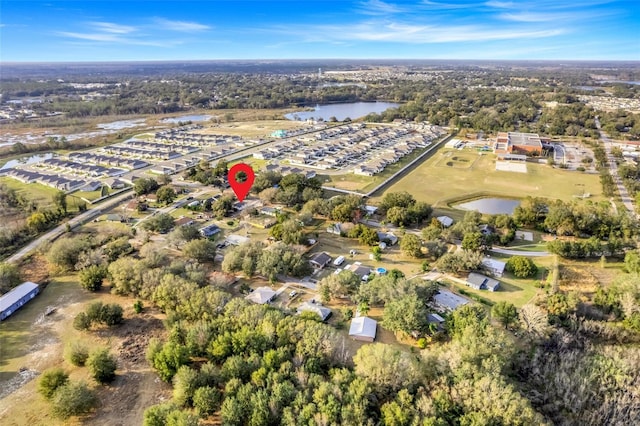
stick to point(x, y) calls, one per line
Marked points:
point(123, 124)
point(490, 205)
point(26, 160)
point(352, 110)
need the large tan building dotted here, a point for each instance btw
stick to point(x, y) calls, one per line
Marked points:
point(517, 143)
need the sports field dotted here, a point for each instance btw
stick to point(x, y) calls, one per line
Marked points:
point(441, 180)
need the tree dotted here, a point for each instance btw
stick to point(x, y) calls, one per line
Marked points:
point(91, 277)
point(167, 359)
point(50, 381)
point(377, 253)
point(161, 223)
point(64, 252)
point(9, 276)
point(207, 400)
point(60, 201)
point(504, 312)
point(341, 285)
point(473, 241)
point(399, 216)
point(632, 262)
point(166, 194)
point(411, 245)
point(534, 321)
point(73, 399)
point(521, 267)
point(397, 199)
point(102, 366)
point(368, 236)
point(37, 221)
point(406, 314)
point(200, 250)
point(144, 186)
point(387, 368)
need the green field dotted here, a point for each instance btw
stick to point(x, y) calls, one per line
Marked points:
point(514, 290)
point(436, 183)
point(41, 194)
point(352, 182)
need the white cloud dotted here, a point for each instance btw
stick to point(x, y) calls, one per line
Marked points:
point(117, 39)
point(378, 7)
point(445, 6)
point(400, 32)
point(500, 4)
point(180, 26)
point(109, 27)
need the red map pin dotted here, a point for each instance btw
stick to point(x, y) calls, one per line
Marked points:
point(241, 188)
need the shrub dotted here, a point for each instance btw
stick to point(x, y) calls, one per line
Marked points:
point(207, 400)
point(51, 380)
point(76, 353)
point(81, 322)
point(91, 277)
point(521, 267)
point(138, 306)
point(102, 366)
point(73, 399)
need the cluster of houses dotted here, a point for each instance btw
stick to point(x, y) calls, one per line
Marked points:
point(110, 160)
point(368, 149)
point(160, 147)
point(75, 168)
point(362, 328)
point(55, 181)
point(186, 137)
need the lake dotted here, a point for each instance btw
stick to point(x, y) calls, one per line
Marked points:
point(490, 205)
point(186, 118)
point(27, 160)
point(352, 110)
point(123, 124)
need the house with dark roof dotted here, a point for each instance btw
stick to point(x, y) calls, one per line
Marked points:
point(387, 237)
point(357, 268)
point(209, 230)
point(448, 300)
point(319, 260)
point(481, 282)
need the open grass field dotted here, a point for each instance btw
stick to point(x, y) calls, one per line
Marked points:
point(36, 192)
point(336, 246)
point(251, 128)
point(437, 183)
point(352, 182)
point(514, 290)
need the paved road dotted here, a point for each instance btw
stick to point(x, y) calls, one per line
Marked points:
point(613, 169)
point(74, 222)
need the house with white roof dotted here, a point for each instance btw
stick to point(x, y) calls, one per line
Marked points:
point(363, 329)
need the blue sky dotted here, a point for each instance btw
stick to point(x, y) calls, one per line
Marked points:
point(92, 30)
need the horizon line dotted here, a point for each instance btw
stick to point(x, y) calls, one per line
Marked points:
point(310, 59)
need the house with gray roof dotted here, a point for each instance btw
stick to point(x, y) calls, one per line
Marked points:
point(481, 282)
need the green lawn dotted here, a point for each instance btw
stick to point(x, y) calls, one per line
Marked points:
point(88, 195)
point(352, 182)
point(41, 194)
point(255, 163)
point(436, 183)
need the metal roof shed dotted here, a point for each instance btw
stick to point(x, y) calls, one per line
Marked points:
point(17, 297)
